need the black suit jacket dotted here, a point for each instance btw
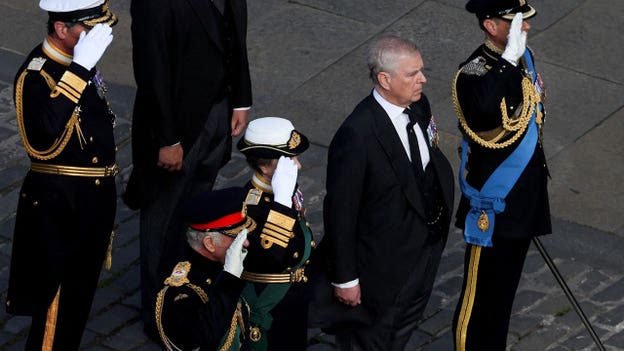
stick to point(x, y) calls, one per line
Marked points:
point(374, 215)
point(182, 68)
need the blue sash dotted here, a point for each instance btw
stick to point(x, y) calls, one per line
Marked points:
point(484, 204)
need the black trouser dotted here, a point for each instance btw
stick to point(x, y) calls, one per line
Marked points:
point(491, 277)
point(391, 331)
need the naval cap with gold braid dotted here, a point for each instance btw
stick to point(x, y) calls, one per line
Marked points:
point(87, 12)
point(272, 137)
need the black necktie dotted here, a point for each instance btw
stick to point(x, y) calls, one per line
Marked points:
point(413, 145)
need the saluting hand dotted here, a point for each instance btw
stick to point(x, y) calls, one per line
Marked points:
point(91, 46)
point(516, 40)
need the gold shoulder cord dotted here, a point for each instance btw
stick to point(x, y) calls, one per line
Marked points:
point(230, 338)
point(158, 311)
point(517, 126)
point(59, 144)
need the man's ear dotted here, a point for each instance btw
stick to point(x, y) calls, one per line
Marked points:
point(490, 26)
point(384, 80)
point(60, 29)
point(209, 244)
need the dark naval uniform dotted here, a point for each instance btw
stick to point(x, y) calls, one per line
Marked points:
point(275, 267)
point(200, 308)
point(484, 83)
point(66, 208)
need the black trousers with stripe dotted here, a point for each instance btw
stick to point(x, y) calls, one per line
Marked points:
point(491, 277)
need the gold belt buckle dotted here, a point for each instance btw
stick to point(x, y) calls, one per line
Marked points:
point(298, 275)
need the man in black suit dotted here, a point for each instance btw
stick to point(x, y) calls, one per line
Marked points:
point(387, 208)
point(193, 95)
point(498, 97)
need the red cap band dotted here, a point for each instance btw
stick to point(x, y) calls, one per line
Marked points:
point(223, 222)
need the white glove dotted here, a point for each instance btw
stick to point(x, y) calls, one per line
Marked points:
point(235, 255)
point(91, 46)
point(284, 181)
point(516, 41)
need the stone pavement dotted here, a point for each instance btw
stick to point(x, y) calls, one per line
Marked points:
point(307, 64)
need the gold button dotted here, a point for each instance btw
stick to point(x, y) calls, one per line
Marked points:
point(116, 148)
point(312, 243)
point(267, 199)
point(35, 203)
point(307, 262)
point(94, 160)
point(254, 334)
point(97, 182)
point(208, 281)
point(91, 139)
point(296, 255)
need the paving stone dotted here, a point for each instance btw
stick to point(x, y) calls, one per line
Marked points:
point(105, 296)
point(418, 339)
point(523, 324)
point(580, 341)
point(17, 324)
point(613, 317)
point(616, 341)
point(437, 323)
point(6, 228)
point(538, 340)
point(8, 203)
point(525, 299)
point(443, 343)
point(127, 338)
point(113, 319)
point(12, 176)
point(591, 281)
point(611, 293)
point(129, 280)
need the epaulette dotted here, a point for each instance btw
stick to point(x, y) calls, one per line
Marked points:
point(179, 276)
point(253, 197)
point(475, 67)
point(36, 64)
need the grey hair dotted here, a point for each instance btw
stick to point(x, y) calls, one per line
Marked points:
point(195, 238)
point(384, 53)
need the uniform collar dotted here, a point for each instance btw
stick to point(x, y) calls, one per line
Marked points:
point(55, 53)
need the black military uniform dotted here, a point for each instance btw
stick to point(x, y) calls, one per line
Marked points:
point(496, 103)
point(279, 248)
point(200, 306)
point(67, 202)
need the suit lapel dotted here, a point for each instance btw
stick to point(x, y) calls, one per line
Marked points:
point(391, 144)
point(207, 13)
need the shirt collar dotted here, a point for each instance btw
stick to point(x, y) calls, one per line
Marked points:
point(392, 110)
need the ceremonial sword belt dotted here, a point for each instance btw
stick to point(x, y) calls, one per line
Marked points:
point(296, 276)
point(108, 171)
